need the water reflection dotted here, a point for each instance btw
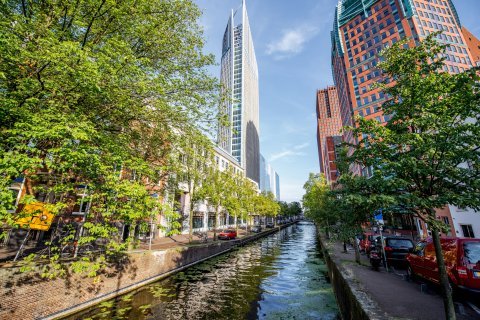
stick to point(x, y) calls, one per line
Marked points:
point(279, 277)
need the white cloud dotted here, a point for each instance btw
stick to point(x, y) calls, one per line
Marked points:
point(302, 146)
point(295, 151)
point(282, 154)
point(292, 42)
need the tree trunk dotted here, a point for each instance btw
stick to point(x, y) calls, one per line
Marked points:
point(190, 217)
point(215, 223)
point(444, 282)
point(236, 224)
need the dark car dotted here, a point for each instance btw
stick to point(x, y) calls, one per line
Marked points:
point(227, 234)
point(270, 225)
point(396, 249)
point(256, 229)
point(462, 261)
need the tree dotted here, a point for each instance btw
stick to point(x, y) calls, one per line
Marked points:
point(427, 156)
point(317, 202)
point(96, 92)
point(195, 152)
point(266, 205)
point(248, 196)
point(215, 190)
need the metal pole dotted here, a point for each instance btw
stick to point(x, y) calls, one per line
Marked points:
point(151, 234)
point(22, 245)
point(383, 248)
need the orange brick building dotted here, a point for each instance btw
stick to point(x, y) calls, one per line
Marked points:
point(362, 28)
point(329, 125)
point(473, 45)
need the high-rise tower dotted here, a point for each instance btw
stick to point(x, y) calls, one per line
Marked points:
point(239, 78)
point(329, 127)
point(362, 28)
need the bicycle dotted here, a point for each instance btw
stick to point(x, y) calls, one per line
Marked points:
point(83, 250)
point(203, 236)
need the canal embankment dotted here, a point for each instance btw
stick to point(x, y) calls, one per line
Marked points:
point(363, 293)
point(27, 296)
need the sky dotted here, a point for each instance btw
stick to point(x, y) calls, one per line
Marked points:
point(292, 46)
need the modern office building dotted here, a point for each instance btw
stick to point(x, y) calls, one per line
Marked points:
point(277, 186)
point(329, 126)
point(362, 28)
point(264, 177)
point(239, 77)
point(269, 178)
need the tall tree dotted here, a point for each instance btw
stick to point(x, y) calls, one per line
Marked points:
point(427, 156)
point(91, 91)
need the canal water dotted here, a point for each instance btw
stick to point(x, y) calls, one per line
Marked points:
point(281, 276)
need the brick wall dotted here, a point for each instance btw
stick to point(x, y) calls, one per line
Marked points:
point(23, 296)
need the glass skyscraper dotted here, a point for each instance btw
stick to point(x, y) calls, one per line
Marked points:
point(239, 78)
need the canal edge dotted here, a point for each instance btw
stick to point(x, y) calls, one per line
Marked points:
point(353, 301)
point(110, 295)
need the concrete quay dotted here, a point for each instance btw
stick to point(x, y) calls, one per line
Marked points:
point(365, 294)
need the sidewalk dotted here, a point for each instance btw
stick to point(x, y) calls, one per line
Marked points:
point(180, 240)
point(162, 243)
point(393, 293)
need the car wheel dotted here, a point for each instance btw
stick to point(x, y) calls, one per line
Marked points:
point(410, 273)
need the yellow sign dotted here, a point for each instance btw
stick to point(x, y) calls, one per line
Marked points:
point(37, 217)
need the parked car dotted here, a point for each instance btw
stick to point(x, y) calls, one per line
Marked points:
point(366, 240)
point(256, 229)
point(227, 234)
point(396, 249)
point(270, 225)
point(462, 261)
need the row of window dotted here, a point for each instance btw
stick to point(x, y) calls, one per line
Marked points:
point(369, 11)
point(370, 32)
point(454, 58)
point(439, 26)
point(368, 111)
point(370, 22)
point(435, 17)
point(453, 48)
point(434, 8)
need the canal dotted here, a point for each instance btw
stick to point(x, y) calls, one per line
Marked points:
point(281, 276)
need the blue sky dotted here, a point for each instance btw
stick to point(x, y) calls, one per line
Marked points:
point(292, 45)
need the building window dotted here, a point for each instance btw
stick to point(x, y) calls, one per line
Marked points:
point(446, 220)
point(327, 104)
point(467, 230)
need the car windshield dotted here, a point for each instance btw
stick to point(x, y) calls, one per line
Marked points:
point(397, 243)
point(472, 251)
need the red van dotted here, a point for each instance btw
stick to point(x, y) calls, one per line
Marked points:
point(462, 260)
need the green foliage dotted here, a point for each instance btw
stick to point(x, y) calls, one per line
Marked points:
point(266, 205)
point(427, 156)
point(97, 93)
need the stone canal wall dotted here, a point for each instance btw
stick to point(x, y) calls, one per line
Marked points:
point(24, 296)
point(354, 303)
